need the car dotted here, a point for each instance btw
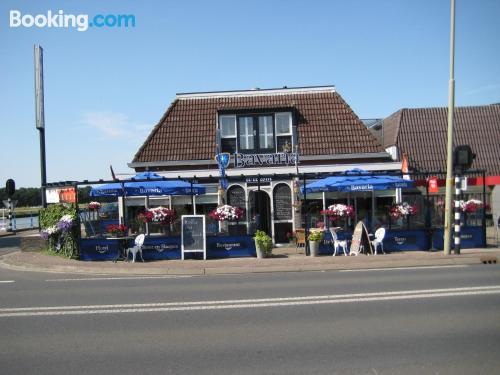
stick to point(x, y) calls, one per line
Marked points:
point(109, 211)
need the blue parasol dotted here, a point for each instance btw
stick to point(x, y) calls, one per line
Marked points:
point(156, 185)
point(357, 180)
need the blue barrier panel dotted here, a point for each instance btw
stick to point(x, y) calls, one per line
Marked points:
point(156, 248)
point(406, 240)
point(394, 240)
point(470, 237)
point(230, 246)
point(98, 249)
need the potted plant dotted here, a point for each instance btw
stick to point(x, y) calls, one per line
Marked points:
point(290, 236)
point(160, 215)
point(225, 214)
point(94, 206)
point(338, 211)
point(263, 244)
point(315, 237)
point(469, 207)
point(117, 230)
point(403, 210)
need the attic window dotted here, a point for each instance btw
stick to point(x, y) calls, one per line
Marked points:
point(256, 133)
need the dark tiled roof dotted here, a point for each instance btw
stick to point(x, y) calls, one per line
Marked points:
point(326, 125)
point(422, 134)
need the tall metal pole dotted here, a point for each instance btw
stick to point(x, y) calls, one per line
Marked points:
point(40, 116)
point(449, 149)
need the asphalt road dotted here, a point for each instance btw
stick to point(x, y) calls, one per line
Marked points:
point(406, 321)
point(9, 244)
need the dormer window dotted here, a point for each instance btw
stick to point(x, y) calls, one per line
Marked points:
point(227, 126)
point(256, 133)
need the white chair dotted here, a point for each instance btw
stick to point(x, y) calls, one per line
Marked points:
point(338, 243)
point(137, 248)
point(379, 237)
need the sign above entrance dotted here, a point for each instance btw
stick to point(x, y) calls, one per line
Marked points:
point(259, 160)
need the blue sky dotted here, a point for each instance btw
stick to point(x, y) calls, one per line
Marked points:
point(106, 88)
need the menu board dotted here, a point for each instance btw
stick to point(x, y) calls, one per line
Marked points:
point(282, 202)
point(236, 197)
point(360, 240)
point(193, 236)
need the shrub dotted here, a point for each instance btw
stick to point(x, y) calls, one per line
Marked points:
point(59, 227)
point(263, 241)
point(316, 235)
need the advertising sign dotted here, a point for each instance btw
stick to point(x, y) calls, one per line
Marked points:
point(193, 235)
point(433, 185)
point(61, 195)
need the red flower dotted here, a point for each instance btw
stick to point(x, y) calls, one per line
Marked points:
point(117, 229)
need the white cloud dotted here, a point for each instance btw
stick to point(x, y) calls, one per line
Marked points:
point(114, 124)
point(485, 88)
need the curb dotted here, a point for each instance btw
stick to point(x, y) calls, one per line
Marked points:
point(191, 269)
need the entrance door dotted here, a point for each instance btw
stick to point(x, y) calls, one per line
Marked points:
point(260, 211)
point(364, 211)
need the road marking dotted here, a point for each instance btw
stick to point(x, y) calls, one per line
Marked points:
point(6, 281)
point(121, 278)
point(405, 268)
point(247, 303)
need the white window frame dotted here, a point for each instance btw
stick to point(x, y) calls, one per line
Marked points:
point(234, 128)
point(249, 133)
point(289, 114)
point(266, 134)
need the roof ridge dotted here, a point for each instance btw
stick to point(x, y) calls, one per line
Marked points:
point(257, 92)
point(493, 105)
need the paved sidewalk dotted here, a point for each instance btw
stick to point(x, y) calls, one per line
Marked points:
point(284, 260)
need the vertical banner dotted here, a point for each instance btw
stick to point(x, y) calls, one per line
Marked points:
point(222, 160)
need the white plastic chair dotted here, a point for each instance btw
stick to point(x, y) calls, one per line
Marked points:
point(379, 237)
point(137, 248)
point(338, 243)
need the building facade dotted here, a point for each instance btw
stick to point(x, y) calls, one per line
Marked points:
point(269, 137)
point(421, 134)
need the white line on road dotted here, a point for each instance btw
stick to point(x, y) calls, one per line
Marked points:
point(247, 303)
point(6, 281)
point(405, 268)
point(121, 278)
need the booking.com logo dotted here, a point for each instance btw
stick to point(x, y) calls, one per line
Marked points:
point(80, 22)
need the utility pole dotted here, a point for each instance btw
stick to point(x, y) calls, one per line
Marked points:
point(40, 116)
point(449, 149)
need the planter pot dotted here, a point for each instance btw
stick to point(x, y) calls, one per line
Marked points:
point(259, 250)
point(314, 248)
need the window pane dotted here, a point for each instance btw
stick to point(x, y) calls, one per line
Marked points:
point(284, 144)
point(245, 125)
point(228, 145)
point(283, 123)
point(266, 135)
point(227, 126)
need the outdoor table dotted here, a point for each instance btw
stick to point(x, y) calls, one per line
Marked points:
point(122, 245)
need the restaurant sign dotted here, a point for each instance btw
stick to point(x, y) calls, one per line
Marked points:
point(260, 160)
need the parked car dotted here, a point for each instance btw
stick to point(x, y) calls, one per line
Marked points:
point(109, 211)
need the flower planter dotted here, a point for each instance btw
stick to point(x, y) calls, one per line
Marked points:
point(314, 248)
point(259, 250)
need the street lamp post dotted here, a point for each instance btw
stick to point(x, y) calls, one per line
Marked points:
point(40, 116)
point(449, 149)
